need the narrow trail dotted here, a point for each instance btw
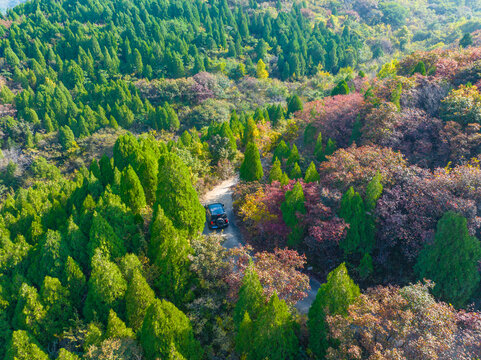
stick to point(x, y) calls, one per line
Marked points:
point(222, 193)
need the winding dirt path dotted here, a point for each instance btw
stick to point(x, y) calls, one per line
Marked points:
point(222, 193)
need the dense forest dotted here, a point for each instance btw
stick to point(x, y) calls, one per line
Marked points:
point(352, 133)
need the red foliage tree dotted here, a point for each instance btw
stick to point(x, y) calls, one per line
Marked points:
point(278, 272)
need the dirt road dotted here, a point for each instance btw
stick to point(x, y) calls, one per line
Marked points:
point(222, 193)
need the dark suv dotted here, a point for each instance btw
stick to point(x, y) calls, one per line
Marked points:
point(216, 216)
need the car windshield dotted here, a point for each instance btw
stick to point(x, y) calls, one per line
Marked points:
point(216, 209)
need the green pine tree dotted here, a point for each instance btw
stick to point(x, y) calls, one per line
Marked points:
point(177, 197)
point(319, 149)
point(276, 172)
point(333, 298)
point(251, 298)
point(116, 328)
point(296, 172)
point(106, 288)
point(275, 336)
point(451, 261)
point(294, 157)
point(354, 213)
point(23, 346)
point(294, 104)
point(341, 89)
point(171, 251)
point(138, 298)
point(131, 191)
point(291, 207)
point(165, 325)
point(311, 174)
point(281, 152)
point(251, 168)
point(420, 68)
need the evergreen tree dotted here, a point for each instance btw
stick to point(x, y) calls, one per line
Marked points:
point(341, 89)
point(66, 355)
point(251, 298)
point(284, 179)
point(251, 168)
point(171, 251)
point(165, 325)
point(74, 280)
point(291, 207)
point(333, 298)
point(131, 191)
point(261, 70)
point(420, 68)
point(106, 171)
point(311, 174)
point(276, 172)
point(281, 152)
point(466, 40)
point(319, 149)
point(6, 95)
point(177, 196)
point(309, 135)
point(116, 328)
point(23, 346)
point(103, 238)
point(250, 132)
point(66, 138)
point(58, 308)
point(354, 213)
point(245, 335)
point(296, 172)
point(138, 298)
point(275, 337)
point(294, 104)
point(106, 288)
point(294, 157)
point(330, 147)
point(451, 261)
point(29, 312)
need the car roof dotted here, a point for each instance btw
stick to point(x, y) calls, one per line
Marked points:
point(215, 205)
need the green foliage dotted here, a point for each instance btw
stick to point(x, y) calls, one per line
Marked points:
point(331, 147)
point(466, 40)
point(396, 95)
point(296, 172)
point(251, 168)
point(251, 298)
point(58, 308)
point(309, 135)
point(177, 196)
point(23, 346)
point(373, 192)
point(6, 95)
point(319, 149)
point(294, 104)
point(66, 138)
point(245, 335)
point(294, 157)
point(342, 88)
point(365, 268)
point(103, 238)
point(451, 261)
point(276, 172)
point(66, 355)
point(275, 336)
point(291, 208)
point(116, 327)
point(131, 191)
point(311, 174)
point(333, 298)
point(281, 152)
point(420, 68)
point(170, 251)
point(138, 298)
point(353, 212)
point(29, 312)
point(164, 326)
point(74, 280)
point(106, 288)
